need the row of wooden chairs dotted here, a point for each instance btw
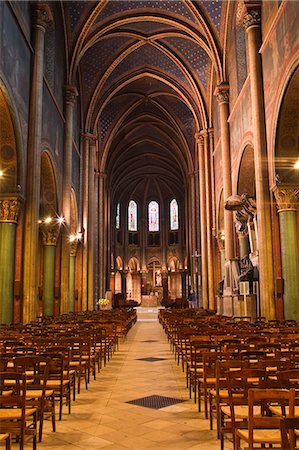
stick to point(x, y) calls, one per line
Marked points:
point(235, 374)
point(37, 372)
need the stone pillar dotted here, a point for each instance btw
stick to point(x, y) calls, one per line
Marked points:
point(124, 283)
point(85, 138)
point(9, 210)
point(42, 18)
point(143, 283)
point(102, 235)
point(222, 93)
point(287, 198)
point(165, 284)
point(91, 223)
point(201, 144)
point(73, 253)
point(252, 24)
point(50, 234)
point(209, 235)
point(71, 93)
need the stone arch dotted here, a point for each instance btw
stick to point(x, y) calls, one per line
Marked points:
point(287, 134)
point(8, 148)
point(246, 175)
point(48, 199)
point(133, 264)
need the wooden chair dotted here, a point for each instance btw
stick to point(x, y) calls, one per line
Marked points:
point(261, 429)
point(59, 380)
point(235, 412)
point(6, 437)
point(15, 417)
point(37, 395)
point(288, 427)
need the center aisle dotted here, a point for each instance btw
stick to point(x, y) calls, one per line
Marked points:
point(101, 418)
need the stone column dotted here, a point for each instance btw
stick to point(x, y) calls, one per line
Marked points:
point(71, 93)
point(9, 210)
point(165, 283)
point(252, 24)
point(287, 198)
point(91, 223)
point(73, 253)
point(50, 234)
point(209, 235)
point(102, 235)
point(42, 18)
point(143, 282)
point(222, 93)
point(86, 138)
point(201, 144)
point(124, 282)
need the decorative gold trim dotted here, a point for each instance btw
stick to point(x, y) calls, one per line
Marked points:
point(50, 233)
point(9, 208)
point(287, 198)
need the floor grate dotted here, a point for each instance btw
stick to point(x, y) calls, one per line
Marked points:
point(150, 359)
point(155, 401)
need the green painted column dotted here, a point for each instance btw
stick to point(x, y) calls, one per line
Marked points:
point(73, 253)
point(50, 232)
point(48, 279)
point(287, 203)
point(9, 208)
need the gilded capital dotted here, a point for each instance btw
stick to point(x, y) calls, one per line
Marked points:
point(50, 233)
point(89, 137)
point(287, 197)
point(9, 209)
point(70, 94)
point(199, 137)
point(42, 15)
point(252, 14)
point(222, 93)
point(73, 247)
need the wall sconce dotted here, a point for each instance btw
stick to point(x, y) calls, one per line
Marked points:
point(222, 235)
point(296, 165)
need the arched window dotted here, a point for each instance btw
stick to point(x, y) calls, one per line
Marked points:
point(132, 216)
point(153, 216)
point(117, 217)
point(174, 215)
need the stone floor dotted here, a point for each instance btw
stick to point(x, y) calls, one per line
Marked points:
point(102, 418)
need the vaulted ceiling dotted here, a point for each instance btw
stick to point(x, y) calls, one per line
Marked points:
point(147, 70)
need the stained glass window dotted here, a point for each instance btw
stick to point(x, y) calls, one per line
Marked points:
point(153, 216)
point(174, 215)
point(132, 216)
point(117, 217)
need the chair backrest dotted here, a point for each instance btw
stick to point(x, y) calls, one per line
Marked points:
point(263, 398)
point(288, 425)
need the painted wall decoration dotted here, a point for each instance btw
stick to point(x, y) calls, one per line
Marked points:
point(52, 128)
point(15, 65)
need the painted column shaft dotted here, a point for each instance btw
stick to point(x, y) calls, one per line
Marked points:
point(7, 260)
point(265, 252)
point(203, 221)
point(71, 94)
point(72, 282)
point(210, 256)
point(31, 231)
point(48, 279)
point(85, 219)
point(91, 224)
point(290, 262)
point(226, 173)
